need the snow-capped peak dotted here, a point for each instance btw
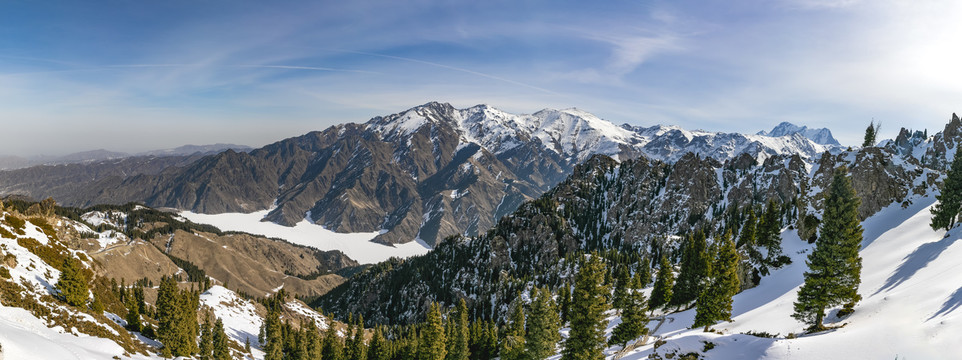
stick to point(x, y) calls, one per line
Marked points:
point(821, 136)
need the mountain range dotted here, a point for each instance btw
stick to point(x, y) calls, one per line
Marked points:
point(424, 173)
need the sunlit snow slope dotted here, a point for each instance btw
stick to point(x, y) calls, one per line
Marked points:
point(911, 289)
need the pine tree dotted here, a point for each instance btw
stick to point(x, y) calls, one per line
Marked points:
point(273, 336)
point(633, 319)
point(715, 302)
point(72, 283)
point(458, 342)
point(946, 211)
point(133, 315)
point(664, 282)
point(769, 236)
point(834, 265)
point(586, 340)
point(622, 281)
point(377, 349)
point(543, 325)
point(221, 345)
point(870, 133)
point(433, 342)
point(512, 347)
point(358, 350)
point(333, 349)
point(206, 340)
point(695, 267)
point(643, 274)
point(490, 348)
point(564, 301)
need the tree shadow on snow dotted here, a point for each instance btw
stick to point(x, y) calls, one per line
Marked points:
point(915, 261)
point(953, 302)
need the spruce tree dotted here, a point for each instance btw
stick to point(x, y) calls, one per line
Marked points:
point(458, 342)
point(221, 344)
point(490, 348)
point(354, 348)
point(770, 237)
point(512, 347)
point(747, 236)
point(946, 211)
point(133, 315)
point(564, 302)
point(377, 349)
point(834, 265)
point(433, 343)
point(695, 267)
point(72, 283)
point(715, 302)
point(206, 340)
point(664, 282)
point(643, 274)
point(332, 348)
point(586, 341)
point(633, 319)
point(870, 133)
point(543, 325)
point(622, 281)
point(273, 336)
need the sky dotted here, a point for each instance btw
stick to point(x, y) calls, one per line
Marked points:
point(143, 75)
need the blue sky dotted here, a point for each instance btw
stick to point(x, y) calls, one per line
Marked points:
point(139, 75)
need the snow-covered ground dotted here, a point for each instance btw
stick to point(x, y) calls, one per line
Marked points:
point(24, 336)
point(911, 288)
point(357, 246)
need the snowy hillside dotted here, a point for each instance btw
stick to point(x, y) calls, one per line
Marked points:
point(910, 288)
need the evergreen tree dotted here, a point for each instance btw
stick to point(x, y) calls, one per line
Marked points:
point(946, 211)
point(133, 315)
point(769, 236)
point(715, 302)
point(359, 350)
point(870, 133)
point(586, 340)
point(458, 341)
point(332, 349)
point(512, 347)
point(176, 318)
point(622, 281)
point(834, 265)
point(643, 274)
point(664, 282)
point(313, 341)
point(634, 320)
point(543, 325)
point(221, 345)
point(490, 348)
point(564, 300)
point(695, 267)
point(206, 340)
point(377, 349)
point(72, 283)
point(273, 336)
point(433, 342)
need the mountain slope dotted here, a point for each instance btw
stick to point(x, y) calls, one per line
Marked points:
point(821, 136)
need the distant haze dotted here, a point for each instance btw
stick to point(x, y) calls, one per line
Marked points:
point(138, 76)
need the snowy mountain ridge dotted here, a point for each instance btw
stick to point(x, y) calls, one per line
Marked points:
point(821, 136)
point(576, 134)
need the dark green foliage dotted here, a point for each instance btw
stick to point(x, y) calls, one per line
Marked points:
point(273, 336)
point(206, 346)
point(661, 293)
point(834, 265)
point(870, 133)
point(634, 320)
point(715, 302)
point(458, 339)
point(133, 315)
point(433, 342)
point(72, 283)
point(332, 349)
point(946, 211)
point(355, 349)
point(512, 346)
point(564, 301)
point(587, 338)
point(543, 325)
point(622, 282)
point(378, 348)
point(177, 326)
point(695, 267)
